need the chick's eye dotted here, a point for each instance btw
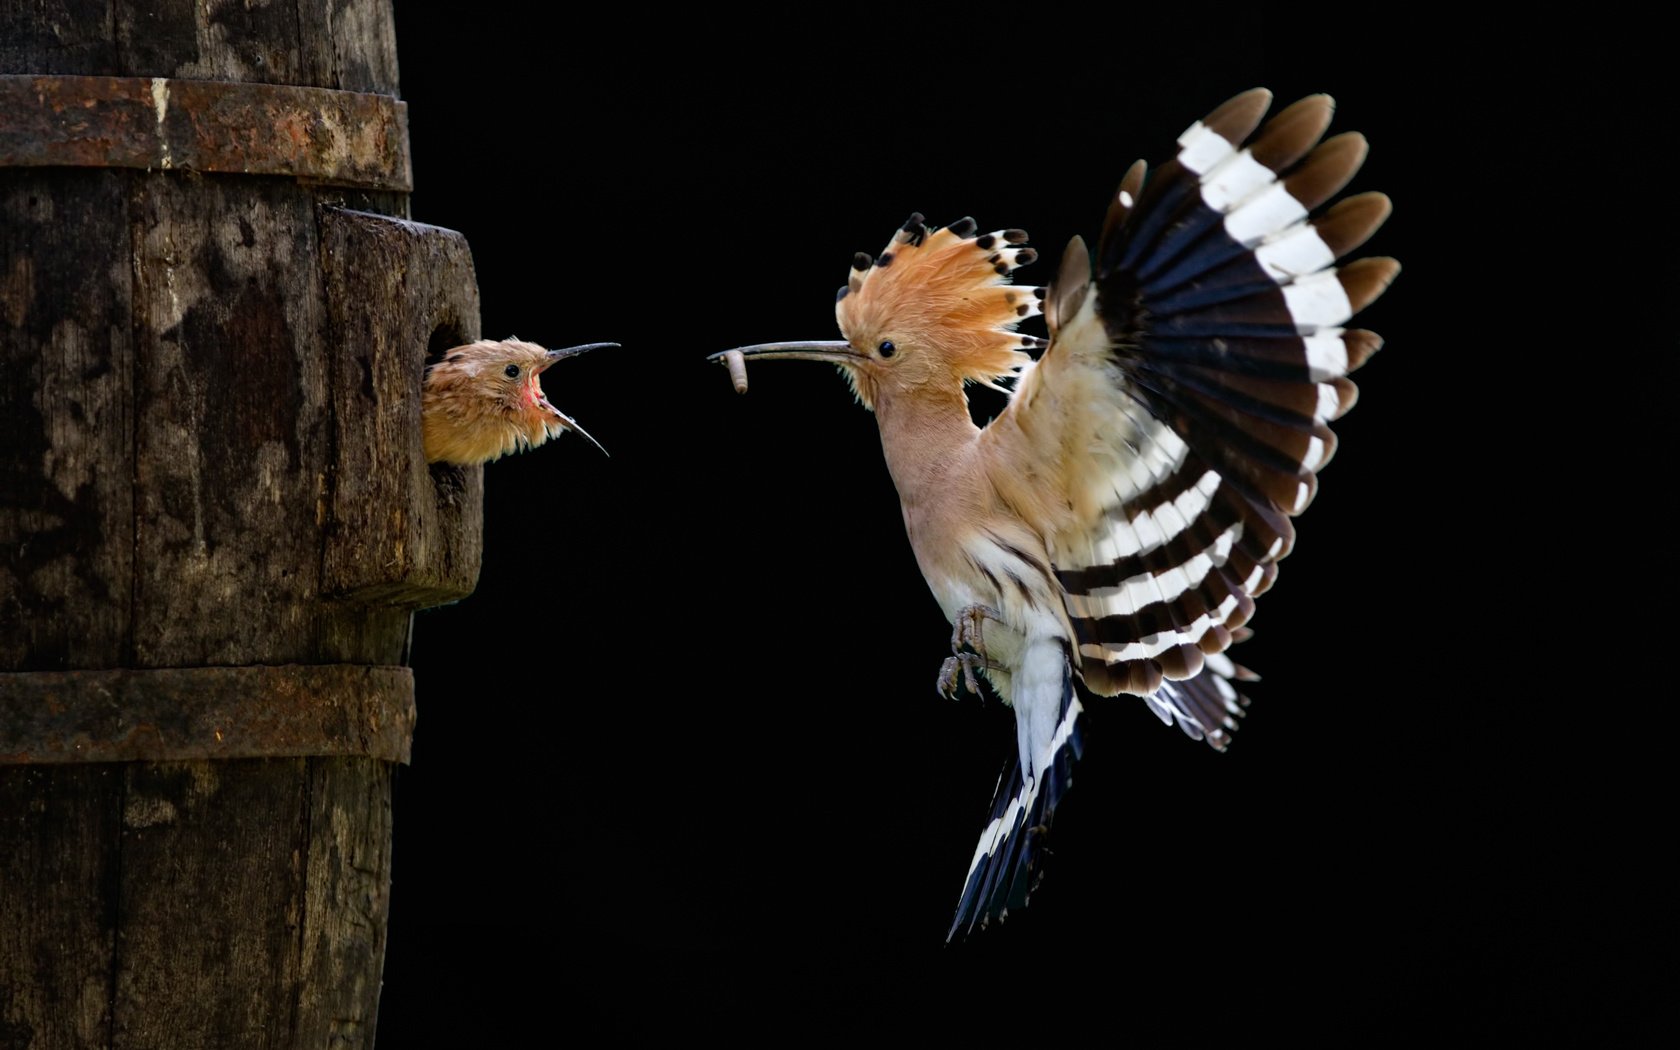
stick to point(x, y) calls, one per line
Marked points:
point(511, 371)
point(887, 349)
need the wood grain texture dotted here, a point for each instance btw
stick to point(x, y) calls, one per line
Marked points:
point(231, 422)
point(58, 893)
point(58, 36)
point(345, 44)
point(358, 51)
point(346, 900)
point(252, 903)
point(173, 464)
point(400, 531)
point(212, 40)
point(180, 713)
point(209, 903)
point(66, 509)
point(193, 904)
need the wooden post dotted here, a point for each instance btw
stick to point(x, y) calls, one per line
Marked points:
point(215, 517)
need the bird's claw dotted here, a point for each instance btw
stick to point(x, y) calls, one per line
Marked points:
point(966, 628)
point(960, 666)
point(966, 631)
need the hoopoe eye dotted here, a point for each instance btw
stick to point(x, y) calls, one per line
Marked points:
point(886, 348)
point(511, 371)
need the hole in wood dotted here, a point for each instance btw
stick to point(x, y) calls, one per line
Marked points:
point(450, 481)
point(445, 337)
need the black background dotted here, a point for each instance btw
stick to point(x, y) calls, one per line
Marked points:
point(680, 764)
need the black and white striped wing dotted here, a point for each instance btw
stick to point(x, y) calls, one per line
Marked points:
point(1193, 376)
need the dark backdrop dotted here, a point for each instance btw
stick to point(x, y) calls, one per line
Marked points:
point(680, 763)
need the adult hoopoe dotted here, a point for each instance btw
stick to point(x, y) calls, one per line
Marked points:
point(1109, 531)
point(484, 400)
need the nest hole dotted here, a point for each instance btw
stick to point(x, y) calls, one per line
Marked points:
point(448, 481)
point(445, 337)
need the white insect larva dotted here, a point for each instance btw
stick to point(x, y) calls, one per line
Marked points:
point(737, 370)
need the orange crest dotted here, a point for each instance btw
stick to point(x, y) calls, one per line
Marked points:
point(949, 290)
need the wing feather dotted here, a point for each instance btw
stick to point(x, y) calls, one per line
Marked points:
point(1195, 363)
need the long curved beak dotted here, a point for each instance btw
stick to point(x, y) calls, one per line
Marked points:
point(567, 421)
point(837, 352)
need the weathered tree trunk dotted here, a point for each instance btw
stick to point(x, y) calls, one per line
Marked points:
point(215, 516)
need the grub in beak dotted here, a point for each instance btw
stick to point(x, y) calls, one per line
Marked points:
point(837, 352)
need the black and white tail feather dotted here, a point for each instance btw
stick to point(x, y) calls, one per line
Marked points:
point(1208, 328)
point(1007, 863)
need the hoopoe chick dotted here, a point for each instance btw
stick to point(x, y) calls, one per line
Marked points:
point(1109, 531)
point(484, 400)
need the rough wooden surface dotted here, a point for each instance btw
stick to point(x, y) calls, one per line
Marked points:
point(401, 532)
point(231, 420)
point(66, 435)
point(125, 715)
point(274, 433)
point(225, 840)
point(345, 44)
point(346, 900)
point(341, 138)
point(246, 906)
point(58, 898)
point(175, 492)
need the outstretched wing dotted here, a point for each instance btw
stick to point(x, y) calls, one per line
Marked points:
point(1186, 390)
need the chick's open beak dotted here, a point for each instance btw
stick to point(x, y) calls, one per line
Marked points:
point(542, 399)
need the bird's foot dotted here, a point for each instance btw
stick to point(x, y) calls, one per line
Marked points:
point(965, 629)
point(961, 668)
point(966, 632)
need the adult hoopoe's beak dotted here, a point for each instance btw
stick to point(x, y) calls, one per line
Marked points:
point(833, 351)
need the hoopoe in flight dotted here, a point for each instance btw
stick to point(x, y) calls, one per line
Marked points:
point(484, 400)
point(1109, 531)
